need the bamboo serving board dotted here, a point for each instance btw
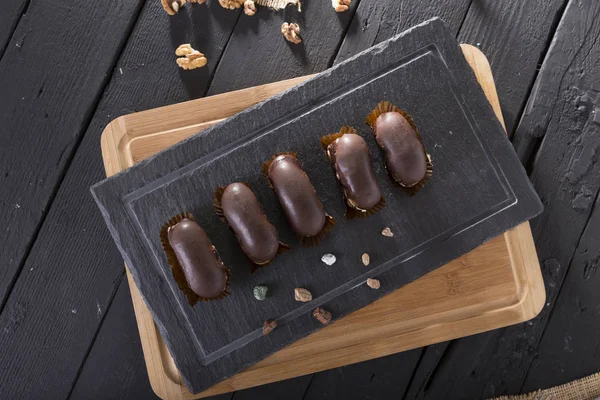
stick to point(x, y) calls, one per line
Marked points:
point(495, 285)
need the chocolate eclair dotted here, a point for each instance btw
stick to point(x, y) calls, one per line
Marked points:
point(406, 158)
point(350, 156)
point(238, 206)
point(298, 198)
point(194, 261)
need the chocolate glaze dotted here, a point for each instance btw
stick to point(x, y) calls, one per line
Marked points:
point(404, 152)
point(296, 195)
point(204, 272)
point(257, 236)
point(352, 161)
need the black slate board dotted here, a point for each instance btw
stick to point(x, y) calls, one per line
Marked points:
point(478, 190)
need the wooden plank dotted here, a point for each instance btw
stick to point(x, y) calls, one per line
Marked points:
point(514, 35)
point(290, 389)
point(114, 374)
point(73, 265)
point(9, 18)
point(567, 180)
point(376, 21)
point(383, 378)
point(41, 122)
point(570, 347)
point(258, 52)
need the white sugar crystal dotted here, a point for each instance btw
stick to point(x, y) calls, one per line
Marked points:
point(328, 259)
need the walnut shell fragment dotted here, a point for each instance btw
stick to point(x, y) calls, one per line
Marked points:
point(249, 8)
point(172, 6)
point(340, 5)
point(322, 315)
point(291, 32)
point(303, 295)
point(268, 326)
point(278, 5)
point(231, 4)
point(190, 58)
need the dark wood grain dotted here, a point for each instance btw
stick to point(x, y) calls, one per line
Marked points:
point(290, 389)
point(73, 269)
point(567, 179)
point(383, 378)
point(570, 347)
point(46, 109)
point(9, 18)
point(376, 21)
point(118, 370)
point(576, 28)
point(514, 36)
point(424, 370)
point(258, 53)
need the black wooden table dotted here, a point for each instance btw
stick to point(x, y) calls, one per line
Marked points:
point(67, 327)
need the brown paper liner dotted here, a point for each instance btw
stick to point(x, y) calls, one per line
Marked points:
point(386, 106)
point(412, 190)
point(351, 211)
point(265, 166)
point(219, 211)
point(311, 241)
point(354, 212)
point(176, 269)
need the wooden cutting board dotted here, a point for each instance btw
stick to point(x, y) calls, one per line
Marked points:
point(495, 285)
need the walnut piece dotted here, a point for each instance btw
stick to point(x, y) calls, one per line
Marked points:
point(172, 6)
point(322, 315)
point(366, 259)
point(268, 326)
point(249, 8)
point(184, 50)
point(291, 32)
point(279, 4)
point(190, 58)
point(340, 5)
point(231, 4)
point(198, 1)
point(303, 295)
point(373, 283)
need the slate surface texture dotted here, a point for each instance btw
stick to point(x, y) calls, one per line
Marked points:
point(478, 190)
